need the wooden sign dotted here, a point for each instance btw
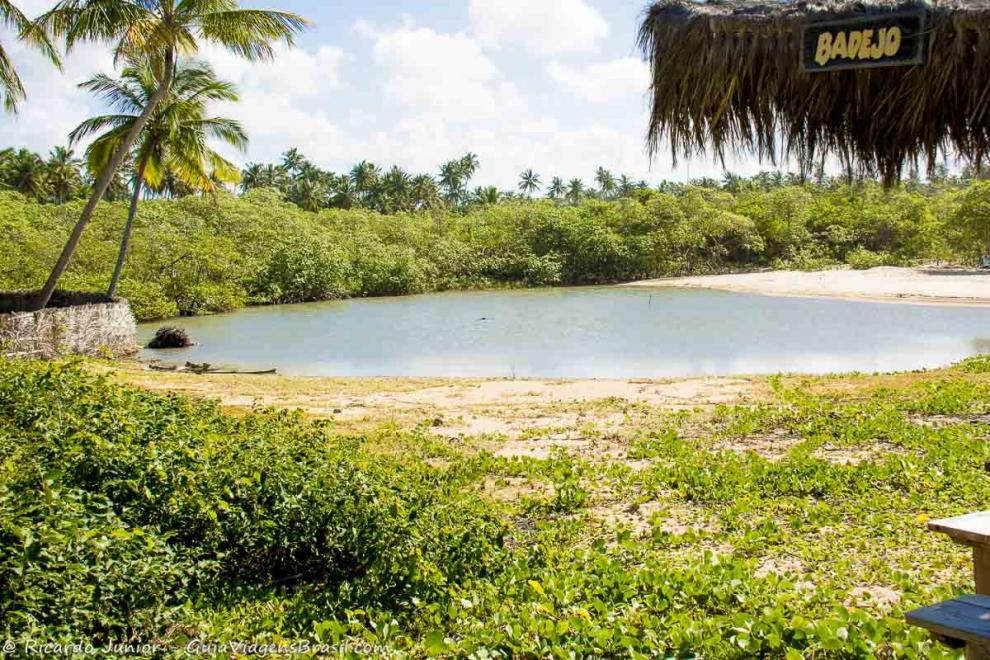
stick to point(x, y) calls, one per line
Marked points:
point(892, 39)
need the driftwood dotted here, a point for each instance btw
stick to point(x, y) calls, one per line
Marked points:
point(205, 368)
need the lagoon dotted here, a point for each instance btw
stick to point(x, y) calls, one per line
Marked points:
point(582, 332)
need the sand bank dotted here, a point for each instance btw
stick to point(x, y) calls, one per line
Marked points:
point(912, 285)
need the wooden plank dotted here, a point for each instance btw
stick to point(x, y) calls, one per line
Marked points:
point(971, 529)
point(976, 600)
point(966, 618)
point(981, 569)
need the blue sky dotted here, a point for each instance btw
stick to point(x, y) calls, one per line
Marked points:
point(555, 85)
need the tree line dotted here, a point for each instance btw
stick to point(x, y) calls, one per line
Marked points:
point(200, 254)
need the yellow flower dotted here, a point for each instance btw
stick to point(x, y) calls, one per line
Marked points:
point(923, 518)
point(583, 613)
point(537, 587)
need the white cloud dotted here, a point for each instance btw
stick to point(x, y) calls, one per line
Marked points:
point(54, 105)
point(444, 74)
point(295, 73)
point(281, 101)
point(615, 81)
point(415, 97)
point(544, 27)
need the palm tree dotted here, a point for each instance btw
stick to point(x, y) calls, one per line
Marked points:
point(452, 181)
point(626, 186)
point(606, 183)
point(25, 172)
point(171, 151)
point(251, 176)
point(365, 178)
point(64, 176)
point(575, 190)
point(344, 195)
point(469, 165)
point(160, 30)
point(529, 182)
point(292, 160)
point(487, 195)
point(424, 191)
point(557, 189)
point(30, 32)
point(396, 190)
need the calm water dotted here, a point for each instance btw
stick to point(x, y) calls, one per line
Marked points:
point(596, 332)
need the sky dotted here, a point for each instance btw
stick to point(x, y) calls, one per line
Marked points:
point(553, 85)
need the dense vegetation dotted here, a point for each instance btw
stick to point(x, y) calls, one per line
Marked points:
point(131, 516)
point(198, 254)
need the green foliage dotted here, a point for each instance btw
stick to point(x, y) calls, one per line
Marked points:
point(119, 506)
point(863, 259)
point(973, 216)
point(131, 515)
point(197, 255)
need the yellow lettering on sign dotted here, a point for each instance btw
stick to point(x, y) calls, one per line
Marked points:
point(876, 50)
point(855, 39)
point(824, 52)
point(893, 42)
point(858, 44)
point(839, 48)
point(864, 47)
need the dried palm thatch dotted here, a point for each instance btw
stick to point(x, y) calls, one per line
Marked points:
point(727, 76)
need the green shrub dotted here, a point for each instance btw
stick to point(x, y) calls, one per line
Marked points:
point(120, 505)
point(863, 259)
point(302, 272)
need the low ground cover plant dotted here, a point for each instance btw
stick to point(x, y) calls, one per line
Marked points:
point(790, 527)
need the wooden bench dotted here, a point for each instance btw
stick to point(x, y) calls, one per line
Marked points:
point(973, 530)
point(960, 622)
point(964, 621)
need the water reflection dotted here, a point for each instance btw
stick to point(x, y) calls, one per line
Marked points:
point(596, 332)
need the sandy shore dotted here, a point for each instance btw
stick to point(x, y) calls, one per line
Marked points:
point(917, 285)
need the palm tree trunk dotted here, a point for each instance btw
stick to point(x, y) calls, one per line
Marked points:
point(102, 183)
point(126, 238)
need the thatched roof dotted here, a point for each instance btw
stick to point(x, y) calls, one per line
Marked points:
point(727, 78)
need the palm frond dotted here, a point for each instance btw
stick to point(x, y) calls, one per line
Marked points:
point(94, 125)
point(250, 32)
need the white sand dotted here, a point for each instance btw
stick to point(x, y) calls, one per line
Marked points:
point(917, 285)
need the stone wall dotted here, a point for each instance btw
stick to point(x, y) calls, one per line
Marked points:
point(96, 327)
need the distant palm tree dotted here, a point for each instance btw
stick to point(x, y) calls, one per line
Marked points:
point(626, 186)
point(160, 30)
point(25, 172)
point(64, 176)
point(452, 181)
point(30, 33)
point(575, 190)
point(396, 188)
point(251, 176)
point(529, 182)
point(557, 189)
point(344, 195)
point(425, 193)
point(606, 183)
point(274, 176)
point(486, 196)
point(469, 165)
point(172, 150)
point(292, 160)
point(365, 178)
